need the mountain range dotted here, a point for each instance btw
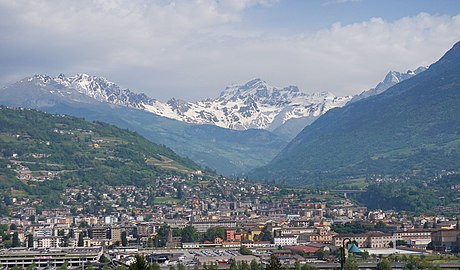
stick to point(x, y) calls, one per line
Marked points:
point(410, 130)
point(252, 105)
point(224, 150)
point(244, 128)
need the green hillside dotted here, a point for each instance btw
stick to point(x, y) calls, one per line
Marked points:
point(412, 130)
point(41, 154)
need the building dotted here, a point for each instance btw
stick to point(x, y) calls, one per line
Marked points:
point(203, 226)
point(232, 235)
point(417, 238)
point(115, 234)
point(29, 211)
point(99, 232)
point(146, 228)
point(366, 240)
point(325, 238)
point(48, 242)
point(190, 245)
point(292, 231)
point(42, 232)
point(445, 240)
point(231, 244)
point(285, 240)
point(76, 257)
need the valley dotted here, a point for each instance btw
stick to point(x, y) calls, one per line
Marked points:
point(254, 135)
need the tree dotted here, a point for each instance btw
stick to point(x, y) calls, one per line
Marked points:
point(64, 266)
point(156, 266)
point(234, 266)
point(139, 263)
point(180, 192)
point(189, 234)
point(104, 259)
point(254, 265)
point(430, 246)
point(364, 255)
point(151, 199)
point(16, 242)
point(321, 254)
point(274, 263)
point(124, 239)
point(214, 232)
point(297, 265)
point(384, 265)
point(181, 266)
point(83, 224)
point(266, 235)
point(81, 242)
point(245, 251)
point(380, 226)
point(243, 265)
point(30, 241)
point(162, 236)
point(65, 241)
point(30, 266)
point(350, 265)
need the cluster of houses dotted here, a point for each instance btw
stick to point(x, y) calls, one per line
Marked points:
point(55, 228)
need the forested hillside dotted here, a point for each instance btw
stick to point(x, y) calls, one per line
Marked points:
point(41, 154)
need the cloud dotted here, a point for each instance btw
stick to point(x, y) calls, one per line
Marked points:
point(193, 49)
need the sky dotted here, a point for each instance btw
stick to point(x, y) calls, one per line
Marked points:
point(193, 49)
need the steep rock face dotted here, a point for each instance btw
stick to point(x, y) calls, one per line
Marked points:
point(410, 130)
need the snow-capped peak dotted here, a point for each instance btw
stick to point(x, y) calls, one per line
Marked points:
point(392, 78)
point(254, 104)
point(98, 88)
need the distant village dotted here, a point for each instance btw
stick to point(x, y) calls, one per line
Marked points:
point(213, 221)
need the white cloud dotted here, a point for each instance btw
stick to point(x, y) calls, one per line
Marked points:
point(193, 49)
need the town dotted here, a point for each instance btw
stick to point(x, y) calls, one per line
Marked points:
point(196, 222)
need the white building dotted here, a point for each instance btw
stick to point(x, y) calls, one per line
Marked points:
point(48, 242)
point(285, 241)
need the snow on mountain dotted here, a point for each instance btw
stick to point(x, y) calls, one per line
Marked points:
point(392, 78)
point(97, 88)
point(254, 104)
